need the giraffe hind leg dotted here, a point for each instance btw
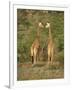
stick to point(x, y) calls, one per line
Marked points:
point(50, 58)
point(32, 59)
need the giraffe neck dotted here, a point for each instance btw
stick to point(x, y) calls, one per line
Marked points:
point(50, 35)
point(38, 34)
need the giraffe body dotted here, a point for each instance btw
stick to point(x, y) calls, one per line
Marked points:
point(50, 48)
point(35, 47)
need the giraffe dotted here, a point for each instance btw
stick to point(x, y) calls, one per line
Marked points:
point(35, 47)
point(50, 47)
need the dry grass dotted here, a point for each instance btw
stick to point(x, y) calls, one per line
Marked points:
point(41, 70)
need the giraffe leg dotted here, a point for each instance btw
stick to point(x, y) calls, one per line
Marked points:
point(48, 59)
point(38, 55)
point(35, 59)
point(49, 55)
point(52, 56)
point(32, 59)
point(35, 56)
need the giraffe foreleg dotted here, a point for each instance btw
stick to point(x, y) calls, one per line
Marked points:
point(32, 55)
point(49, 55)
point(35, 56)
point(52, 55)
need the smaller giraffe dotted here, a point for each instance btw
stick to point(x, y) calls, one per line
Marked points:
point(50, 48)
point(35, 47)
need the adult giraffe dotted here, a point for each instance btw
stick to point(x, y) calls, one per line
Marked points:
point(35, 47)
point(50, 48)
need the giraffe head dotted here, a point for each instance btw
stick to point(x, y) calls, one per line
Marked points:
point(47, 25)
point(40, 28)
point(40, 25)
